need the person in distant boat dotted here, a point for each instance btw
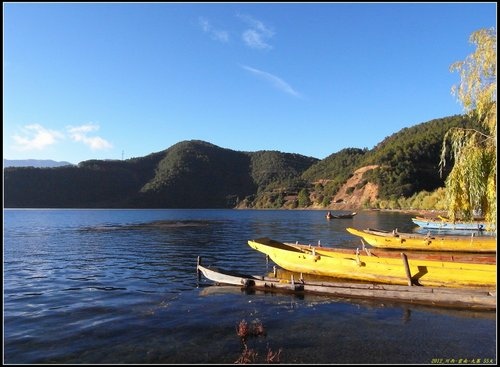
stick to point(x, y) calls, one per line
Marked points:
point(329, 215)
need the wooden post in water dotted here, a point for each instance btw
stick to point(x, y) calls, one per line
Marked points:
point(407, 268)
point(198, 262)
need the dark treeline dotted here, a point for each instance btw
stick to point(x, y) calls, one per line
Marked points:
point(197, 174)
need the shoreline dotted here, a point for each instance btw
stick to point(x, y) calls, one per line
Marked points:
point(421, 212)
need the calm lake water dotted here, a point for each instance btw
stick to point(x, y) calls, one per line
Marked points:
point(120, 287)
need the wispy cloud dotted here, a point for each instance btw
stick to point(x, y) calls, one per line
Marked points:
point(79, 134)
point(258, 33)
point(216, 34)
point(36, 137)
point(274, 80)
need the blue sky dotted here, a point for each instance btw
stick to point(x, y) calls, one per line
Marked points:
point(111, 80)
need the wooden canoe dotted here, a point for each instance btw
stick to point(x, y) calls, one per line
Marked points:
point(430, 242)
point(382, 269)
point(329, 215)
point(471, 299)
point(443, 223)
point(463, 257)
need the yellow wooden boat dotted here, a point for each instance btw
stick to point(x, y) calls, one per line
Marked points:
point(447, 256)
point(388, 270)
point(430, 242)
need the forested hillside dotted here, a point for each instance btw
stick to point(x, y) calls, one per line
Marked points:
point(195, 174)
point(408, 161)
point(198, 174)
point(190, 174)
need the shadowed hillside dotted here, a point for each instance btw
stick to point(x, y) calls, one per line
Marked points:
point(196, 174)
point(190, 174)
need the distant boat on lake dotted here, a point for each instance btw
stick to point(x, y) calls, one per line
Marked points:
point(329, 215)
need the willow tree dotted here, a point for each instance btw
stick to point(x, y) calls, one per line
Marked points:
point(471, 184)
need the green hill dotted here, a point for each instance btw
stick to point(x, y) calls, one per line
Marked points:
point(197, 174)
point(407, 163)
point(190, 174)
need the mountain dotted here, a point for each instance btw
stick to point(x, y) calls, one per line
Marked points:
point(38, 163)
point(198, 174)
point(190, 174)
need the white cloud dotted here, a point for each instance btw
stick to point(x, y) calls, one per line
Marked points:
point(258, 33)
point(216, 34)
point(274, 80)
point(36, 137)
point(79, 134)
point(254, 40)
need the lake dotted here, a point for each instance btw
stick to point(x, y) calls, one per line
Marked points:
point(120, 287)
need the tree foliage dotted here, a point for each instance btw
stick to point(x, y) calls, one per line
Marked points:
point(336, 166)
point(271, 169)
point(303, 198)
point(471, 184)
point(478, 79)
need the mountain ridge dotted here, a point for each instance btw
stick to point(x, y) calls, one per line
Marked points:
point(38, 163)
point(199, 174)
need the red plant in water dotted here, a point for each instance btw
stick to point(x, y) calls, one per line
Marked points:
point(248, 355)
point(243, 330)
point(273, 357)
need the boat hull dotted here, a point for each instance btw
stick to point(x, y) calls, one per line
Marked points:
point(407, 241)
point(469, 298)
point(443, 224)
point(388, 270)
point(340, 216)
point(463, 257)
